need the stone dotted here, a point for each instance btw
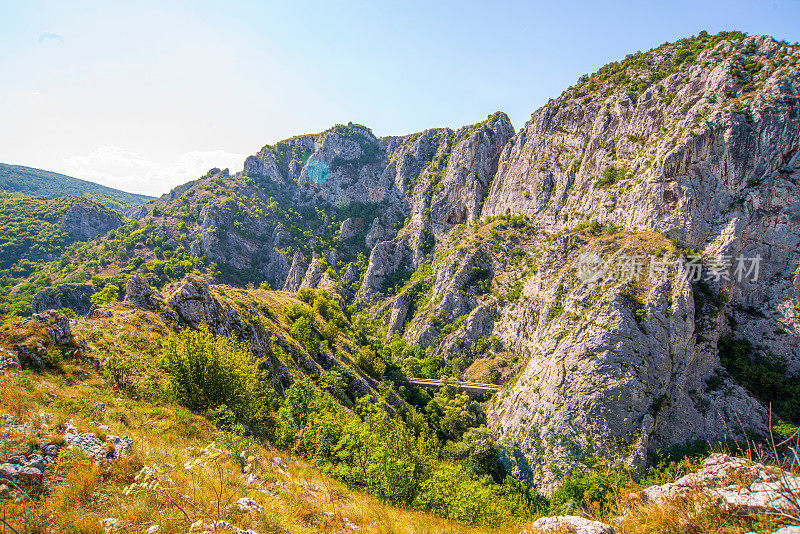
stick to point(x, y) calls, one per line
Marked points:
point(246, 504)
point(110, 525)
point(139, 293)
point(739, 486)
point(8, 360)
point(571, 523)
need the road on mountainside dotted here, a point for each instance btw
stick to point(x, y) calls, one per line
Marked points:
point(471, 388)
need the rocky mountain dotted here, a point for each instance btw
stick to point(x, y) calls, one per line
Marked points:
point(621, 264)
point(707, 157)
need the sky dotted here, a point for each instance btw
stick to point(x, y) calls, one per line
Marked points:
point(144, 95)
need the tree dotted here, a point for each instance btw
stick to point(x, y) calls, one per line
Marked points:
point(109, 293)
point(208, 372)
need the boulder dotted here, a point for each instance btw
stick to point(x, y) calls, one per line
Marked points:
point(571, 523)
point(139, 293)
point(740, 486)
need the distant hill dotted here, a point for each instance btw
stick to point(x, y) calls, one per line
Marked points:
point(30, 181)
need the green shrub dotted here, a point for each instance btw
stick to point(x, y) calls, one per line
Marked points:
point(763, 376)
point(206, 372)
point(608, 178)
point(452, 493)
point(322, 305)
point(109, 293)
point(370, 362)
point(593, 490)
point(306, 294)
point(296, 310)
point(515, 293)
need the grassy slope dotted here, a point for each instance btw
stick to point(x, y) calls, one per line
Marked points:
point(36, 182)
point(167, 437)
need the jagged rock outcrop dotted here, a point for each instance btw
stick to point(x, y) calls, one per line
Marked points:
point(376, 234)
point(350, 274)
point(76, 297)
point(349, 228)
point(314, 273)
point(707, 156)
point(470, 170)
point(139, 293)
point(449, 190)
point(296, 273)
point(39, 334)
point(193, 302)
point(387, 258)
point(608, 366)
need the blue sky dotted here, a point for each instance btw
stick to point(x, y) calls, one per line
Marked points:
point(146, 95)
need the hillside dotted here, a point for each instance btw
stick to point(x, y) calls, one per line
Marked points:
point(45, 184)
point(625, 266)
point(35, 231)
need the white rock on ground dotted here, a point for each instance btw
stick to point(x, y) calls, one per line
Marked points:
point(740, 486)
point(571, 523)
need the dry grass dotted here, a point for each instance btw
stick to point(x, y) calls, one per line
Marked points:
point(182, 472)
point(694, 513)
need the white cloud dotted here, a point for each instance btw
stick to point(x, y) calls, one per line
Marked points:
point(50, 36)
point(120, 168)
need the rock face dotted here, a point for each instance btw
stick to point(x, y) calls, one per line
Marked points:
point(86, 220)
point(707, 157)
point(76, 297)
point(314, 273)
point(434, 179)
point(139, 293)
point(458, 198)
point(296, 273)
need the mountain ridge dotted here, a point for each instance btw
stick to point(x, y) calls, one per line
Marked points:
point(48, 184)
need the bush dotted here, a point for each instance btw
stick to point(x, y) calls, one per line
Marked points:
point(370, 362)
point(593, 491)
point(451, 492)
point(322, 305)
point(306, 294)
point(763, 376)
point(207, 372)
point(109, 293)
point(297, 310)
